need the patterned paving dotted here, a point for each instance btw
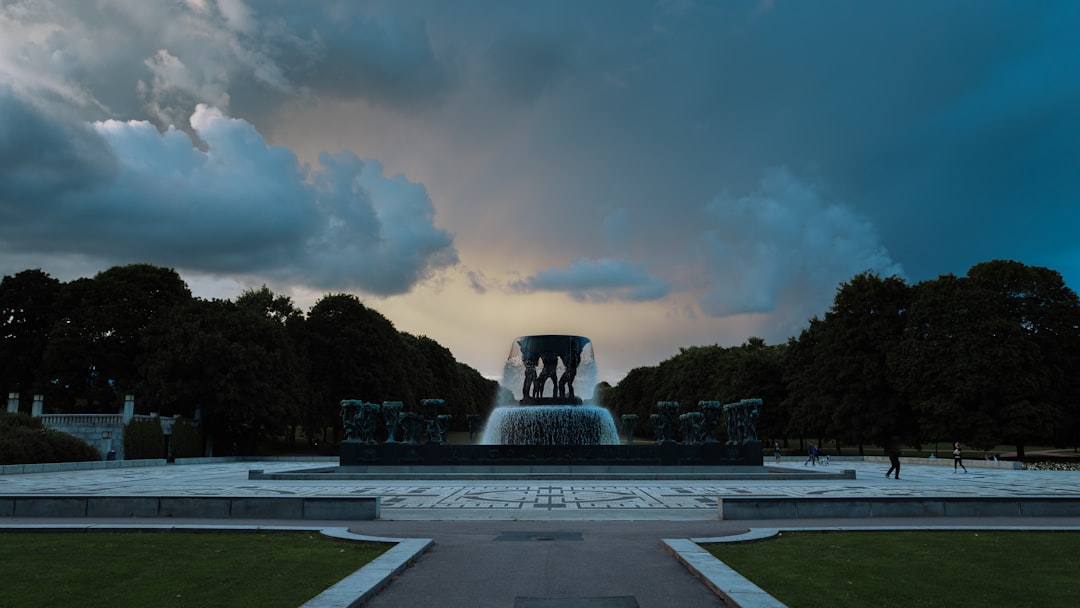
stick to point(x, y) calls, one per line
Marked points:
point(487, 499)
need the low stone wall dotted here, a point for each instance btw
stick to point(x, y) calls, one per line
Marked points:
point(212, 507)
point(89, 428)
point(971, 463)
point(91, 465)
point(877, 507)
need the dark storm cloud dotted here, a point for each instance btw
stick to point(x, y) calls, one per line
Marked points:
point(780, 240)
point(122, 191)
point(44, 158)
point(157, 60)
point(524, 62)
point(752, 154)
point(947, 132)
point(341, 53)
point(597, 281)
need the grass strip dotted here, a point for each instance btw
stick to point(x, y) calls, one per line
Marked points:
point(911, 569)
point(175, 569)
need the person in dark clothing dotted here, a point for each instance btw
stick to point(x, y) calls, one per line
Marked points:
point(894, 457)
point(957, 458)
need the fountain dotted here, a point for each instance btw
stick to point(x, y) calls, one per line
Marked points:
point(549, 422)
point(563, 418)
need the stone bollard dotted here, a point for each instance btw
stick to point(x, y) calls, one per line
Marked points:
point(629, 424)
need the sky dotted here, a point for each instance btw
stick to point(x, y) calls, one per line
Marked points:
point(649, 174)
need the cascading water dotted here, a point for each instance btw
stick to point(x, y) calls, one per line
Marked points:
point(563, 418)
point(550, 425)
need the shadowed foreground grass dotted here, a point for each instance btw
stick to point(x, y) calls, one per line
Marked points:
point(174, 569)
point(912, 569)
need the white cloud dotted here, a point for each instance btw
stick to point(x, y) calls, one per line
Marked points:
point(240, 206)
point(783, 238)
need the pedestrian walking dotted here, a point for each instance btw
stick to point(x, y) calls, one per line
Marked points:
point(811, 454)
point(776, 451)
point(894, 457)
point(957, 458)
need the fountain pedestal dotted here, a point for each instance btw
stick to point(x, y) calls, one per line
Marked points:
point(496, 456)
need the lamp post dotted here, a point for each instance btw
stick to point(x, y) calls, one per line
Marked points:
point(106, 444)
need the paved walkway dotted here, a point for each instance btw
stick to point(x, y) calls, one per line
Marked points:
point(558, 544)
point(517, 500)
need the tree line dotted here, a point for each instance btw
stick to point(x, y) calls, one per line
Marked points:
point(253, 367)
point(987, 358)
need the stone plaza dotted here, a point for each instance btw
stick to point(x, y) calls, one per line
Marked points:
point(465, 541)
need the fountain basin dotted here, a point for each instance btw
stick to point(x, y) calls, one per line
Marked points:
point(550, 425)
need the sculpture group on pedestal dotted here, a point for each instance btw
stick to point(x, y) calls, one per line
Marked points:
point(542, 358)
point(698, 427)
point(742, 419)
point(359, 419)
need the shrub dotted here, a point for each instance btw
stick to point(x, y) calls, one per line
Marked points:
point(186, 440)
point(144, 439)
point(18, 419)
point(24, 440)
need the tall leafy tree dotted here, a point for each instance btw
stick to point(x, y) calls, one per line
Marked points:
point(233, 365)
point(94, 348)
point(759, 372)
point(965, 365)
point(274, 307)
point(1036, 300)
point(355, 353)
point(811, 395)
point(862, 328)
point(434, 373)
point(29, 302)
point(281, 311)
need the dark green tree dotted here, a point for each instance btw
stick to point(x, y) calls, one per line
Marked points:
point(965, 365)
point(860, 331)
point(434, 373)
point(28, 310)
point(94, 348)
point(237, 367)
point(810, 396)
point(280, 309)
point(1037, 300)
point(355, 353)
point(759, 372)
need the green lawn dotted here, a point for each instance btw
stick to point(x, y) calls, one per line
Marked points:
point(182, 569)
point(912, 569)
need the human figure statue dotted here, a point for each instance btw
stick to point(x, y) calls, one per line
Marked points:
point(669, 413)
point(550, 362)
point(358, 419)
point(731, 422)
point(566, 382)
point(473, 421)
point(749, 415)
point(658, 427)
point(527, 388)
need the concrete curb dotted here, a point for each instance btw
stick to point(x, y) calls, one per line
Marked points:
point(732, 587)
point(349, 592)
point(214, 507)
